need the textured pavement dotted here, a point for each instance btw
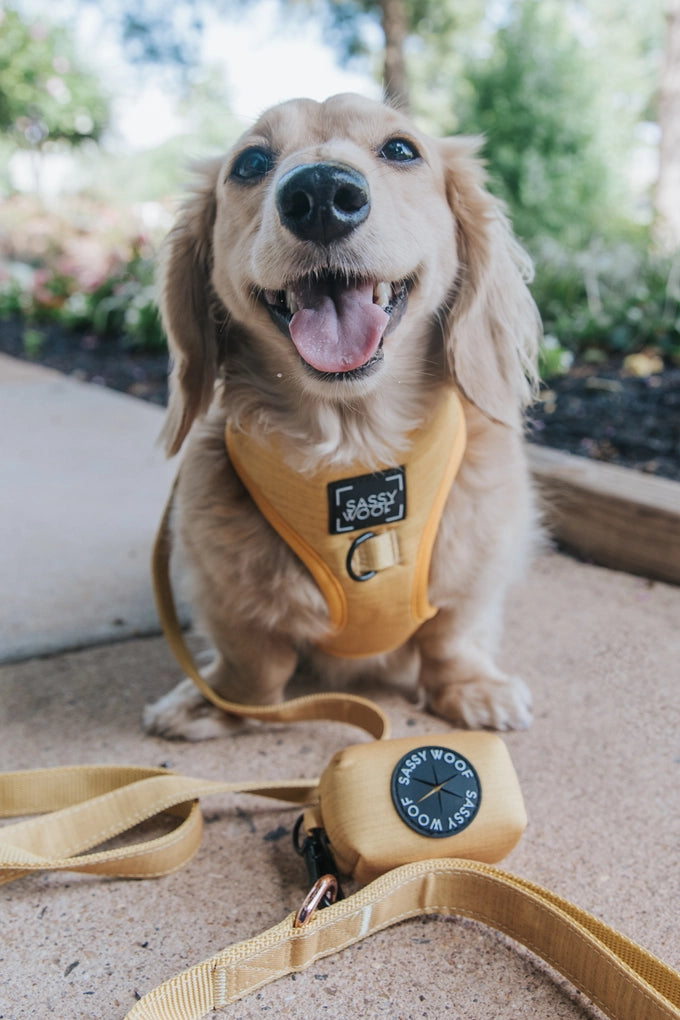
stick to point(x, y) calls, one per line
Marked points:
point(83, 485)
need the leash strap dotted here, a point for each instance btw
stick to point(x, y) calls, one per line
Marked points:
point(625, 981)
point(346, 708)
point(89, 805)
point(84, 806)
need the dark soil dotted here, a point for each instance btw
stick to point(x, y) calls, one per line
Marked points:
point(604, 413)
point(104, 361)
point(595, 411)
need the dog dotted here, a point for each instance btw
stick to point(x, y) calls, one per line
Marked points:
point(324, 284)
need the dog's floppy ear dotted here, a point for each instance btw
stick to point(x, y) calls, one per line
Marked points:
point(187, 309)
point(493, 328)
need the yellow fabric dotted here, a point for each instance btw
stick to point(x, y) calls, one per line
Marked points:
point(347, 708)
point(368, 836)
point(81, 807)
point(624, 980)
point(94, 803)
point(380, 614)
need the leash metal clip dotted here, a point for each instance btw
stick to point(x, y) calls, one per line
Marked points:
point(322, 894)
point(322, 871)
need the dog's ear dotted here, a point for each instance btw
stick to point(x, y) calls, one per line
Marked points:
point(493, 327)
point(187, 308)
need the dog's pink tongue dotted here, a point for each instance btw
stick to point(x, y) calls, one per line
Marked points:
point(337, 328)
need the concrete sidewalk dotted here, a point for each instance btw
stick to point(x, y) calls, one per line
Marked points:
point(83, 484)
point(82, 489)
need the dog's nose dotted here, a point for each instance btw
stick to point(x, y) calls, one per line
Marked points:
point(323, 201)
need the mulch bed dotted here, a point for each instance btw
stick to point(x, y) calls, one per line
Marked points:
point(595, 411)
point(604, 413)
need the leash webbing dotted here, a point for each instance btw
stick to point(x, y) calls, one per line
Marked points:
point(83, 807)
point(330, 707)
point(89, 805)
point(624, 980)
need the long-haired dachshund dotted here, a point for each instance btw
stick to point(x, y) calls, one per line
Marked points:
point(332, 280)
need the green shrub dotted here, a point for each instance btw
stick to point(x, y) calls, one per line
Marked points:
point(615, 300)
point(122, 303)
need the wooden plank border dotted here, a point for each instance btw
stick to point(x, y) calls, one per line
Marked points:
point(613, 516)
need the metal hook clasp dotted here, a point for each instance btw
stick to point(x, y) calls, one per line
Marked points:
point(326, 888)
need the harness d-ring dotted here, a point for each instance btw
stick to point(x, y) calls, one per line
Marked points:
point(350, 556)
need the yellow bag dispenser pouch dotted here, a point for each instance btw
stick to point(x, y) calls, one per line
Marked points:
point(394, 802)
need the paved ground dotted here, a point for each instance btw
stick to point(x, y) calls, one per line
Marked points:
point(82, 487)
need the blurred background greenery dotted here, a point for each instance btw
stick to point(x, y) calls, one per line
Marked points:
point(102, 105)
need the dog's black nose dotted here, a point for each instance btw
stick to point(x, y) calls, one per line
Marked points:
point(322, 201)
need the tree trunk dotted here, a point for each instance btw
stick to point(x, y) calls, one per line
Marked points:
point(668, 185)
point(395, 27)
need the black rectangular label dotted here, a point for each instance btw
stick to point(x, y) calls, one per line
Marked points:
point(378, 498)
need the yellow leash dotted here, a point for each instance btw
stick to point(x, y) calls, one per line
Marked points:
point(625, 981)
point(347, 708)
point(80, 808)
point(95, 803)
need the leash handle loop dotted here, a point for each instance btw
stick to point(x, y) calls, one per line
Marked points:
point(622, 979)
point(84, 806)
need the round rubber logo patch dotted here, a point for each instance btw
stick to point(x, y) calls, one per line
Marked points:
point(436, 791)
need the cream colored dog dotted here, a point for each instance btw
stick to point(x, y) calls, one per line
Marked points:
point(327, 279)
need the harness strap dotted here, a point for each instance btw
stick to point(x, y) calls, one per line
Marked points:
point(620, 977)
point(346, 708)
point(390, 554)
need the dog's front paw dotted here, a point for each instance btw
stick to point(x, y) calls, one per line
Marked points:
point(484, 702)
point(185, 714)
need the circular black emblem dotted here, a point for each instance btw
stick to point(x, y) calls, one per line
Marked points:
point(436, 791)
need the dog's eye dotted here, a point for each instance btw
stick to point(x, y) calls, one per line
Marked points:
point(252, 164)
point(399, 150)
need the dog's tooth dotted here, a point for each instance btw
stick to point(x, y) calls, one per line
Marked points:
point(291, 302)
point(382, 294)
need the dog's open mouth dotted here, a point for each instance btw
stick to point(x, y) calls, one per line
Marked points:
point(336, 324)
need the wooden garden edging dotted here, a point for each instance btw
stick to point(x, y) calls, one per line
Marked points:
point(614, 516)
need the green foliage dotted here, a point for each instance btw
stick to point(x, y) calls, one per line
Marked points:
point(123, 305)
point(33, 340)
point(553, 358)
point(534, 97)
point(616, 300)
point(45, 95)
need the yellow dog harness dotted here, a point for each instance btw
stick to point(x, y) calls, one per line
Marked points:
point(367, 537)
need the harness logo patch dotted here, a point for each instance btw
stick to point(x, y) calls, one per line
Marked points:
point(378, 498)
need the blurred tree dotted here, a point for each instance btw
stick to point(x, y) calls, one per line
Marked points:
point(538, 97)
point(158, 32)
point(154, 31)
point(410, 29)
point(46, 97)
point(395, 25)
point(668, 185)
point(557, 86)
